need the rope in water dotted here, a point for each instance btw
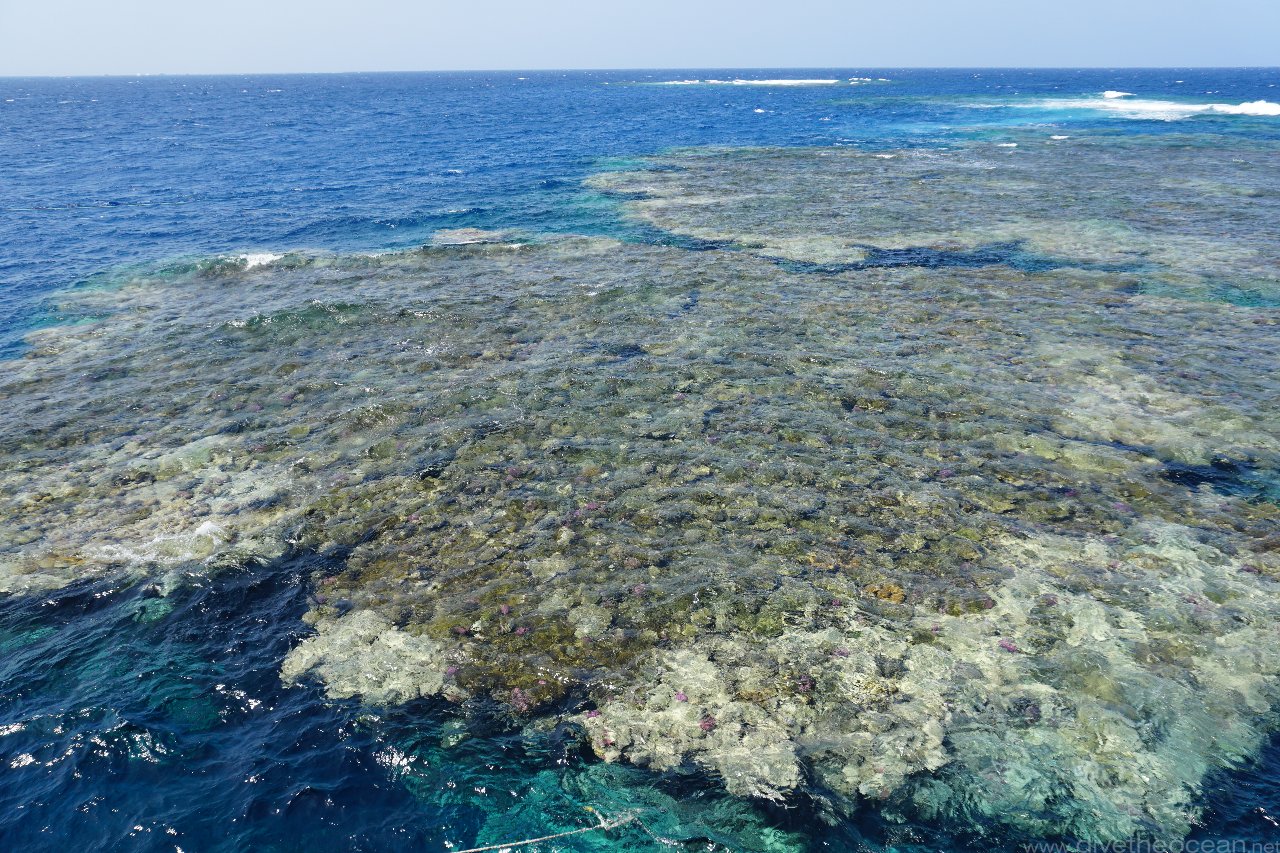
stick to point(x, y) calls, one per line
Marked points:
point(603, 825)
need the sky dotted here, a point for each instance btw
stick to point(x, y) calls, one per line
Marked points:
point(89, 37)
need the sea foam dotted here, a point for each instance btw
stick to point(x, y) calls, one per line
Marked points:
point(1251, 108)
point(1150, 108)
point(260, 259)
point(740, 82)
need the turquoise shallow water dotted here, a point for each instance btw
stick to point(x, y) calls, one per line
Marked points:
point(884, 461)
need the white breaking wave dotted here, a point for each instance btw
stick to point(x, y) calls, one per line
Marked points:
point(1142, 108)
point(1251, 108)
point(172, 549)
point(823, 82)
point(1112, 93)
point(259, 259)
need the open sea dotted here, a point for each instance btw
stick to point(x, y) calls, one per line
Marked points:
point(822, 459)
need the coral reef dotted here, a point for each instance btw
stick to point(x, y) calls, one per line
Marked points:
point(943, 480)
point(365, 655)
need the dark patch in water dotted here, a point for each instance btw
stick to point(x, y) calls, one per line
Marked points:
point(434, 466)
point(626, 352)
point(1222, 475)
point(638, 232)
point(692, 244)
point(1011, 254)
point(1232, 477)
point(1225, 476)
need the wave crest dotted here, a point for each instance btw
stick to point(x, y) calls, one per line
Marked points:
point(1125, 105)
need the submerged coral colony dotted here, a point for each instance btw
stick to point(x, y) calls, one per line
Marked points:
point(942, 480)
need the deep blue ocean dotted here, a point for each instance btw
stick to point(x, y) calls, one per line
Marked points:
point(129, 727)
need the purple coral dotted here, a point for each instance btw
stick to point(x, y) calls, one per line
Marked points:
point(707, 723)
point(1009, 646)
point(680, 697)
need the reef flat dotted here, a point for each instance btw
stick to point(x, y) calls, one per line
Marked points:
point(940, 480)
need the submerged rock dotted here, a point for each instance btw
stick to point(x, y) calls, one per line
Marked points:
point(365, 655)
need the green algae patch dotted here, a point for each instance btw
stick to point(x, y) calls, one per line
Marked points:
point(855, 507)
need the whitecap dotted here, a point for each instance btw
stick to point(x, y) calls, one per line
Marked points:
point(744, 82)
point(1112, 93)
point(1145, 108)
point(1251, 108)
point(785, 82)
point(1006, 145)
point(1059, 136)
point(259, 259)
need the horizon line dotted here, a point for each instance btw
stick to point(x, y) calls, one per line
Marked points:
point(113, 75)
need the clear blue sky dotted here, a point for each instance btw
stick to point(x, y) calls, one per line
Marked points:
point(224, 36)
